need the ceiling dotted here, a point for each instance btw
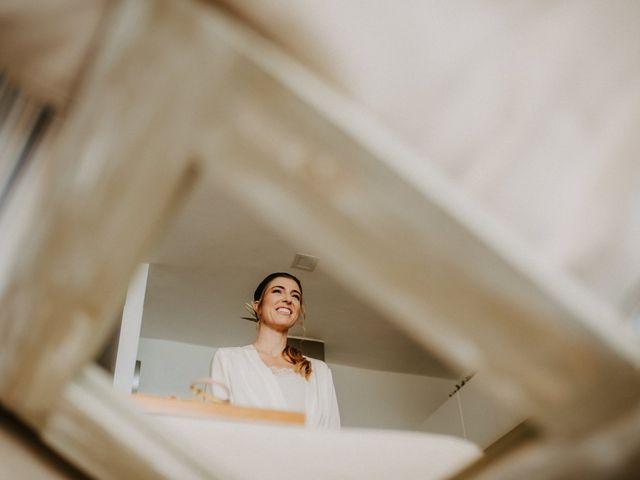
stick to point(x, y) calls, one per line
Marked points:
point(209, 261)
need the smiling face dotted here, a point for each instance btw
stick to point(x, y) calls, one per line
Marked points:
point(280, 305)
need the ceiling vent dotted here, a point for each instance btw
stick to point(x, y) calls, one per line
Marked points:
point(305, 262)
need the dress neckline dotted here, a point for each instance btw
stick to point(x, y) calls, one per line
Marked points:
point(282, 370)
point(275, 369)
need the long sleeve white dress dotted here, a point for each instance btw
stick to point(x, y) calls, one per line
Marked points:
point(252, 383)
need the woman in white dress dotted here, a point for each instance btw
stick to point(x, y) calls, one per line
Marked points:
point(271, 374)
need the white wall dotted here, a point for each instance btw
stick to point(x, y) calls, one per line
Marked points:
point(167, 368)
point(371, 398)
point(474, 414)
point(367, 398)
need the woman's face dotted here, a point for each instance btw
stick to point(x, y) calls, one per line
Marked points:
point(280, 305)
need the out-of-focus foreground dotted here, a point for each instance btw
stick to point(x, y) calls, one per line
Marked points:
point(469, 168)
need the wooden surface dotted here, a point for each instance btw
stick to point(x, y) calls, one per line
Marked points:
point(24, 456)
point(82, 215)
point(44, 45)
point(196, 408)
point(391, 227)
point(104, 433)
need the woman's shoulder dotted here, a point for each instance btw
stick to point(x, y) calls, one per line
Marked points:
point(233, 351)
point(319, 365)
point(316, 361)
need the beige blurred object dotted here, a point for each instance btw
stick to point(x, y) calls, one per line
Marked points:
point(71, 211)
point(458, 274)
point(176, 82)
point(23, 455)
point(530, 108)
point(44, 45)
point(84, 196)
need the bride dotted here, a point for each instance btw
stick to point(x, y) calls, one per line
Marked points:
point(271, 374)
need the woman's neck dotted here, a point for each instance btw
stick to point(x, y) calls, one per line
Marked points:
point(270, 342)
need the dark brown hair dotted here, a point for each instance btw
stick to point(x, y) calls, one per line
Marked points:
point(257, 294)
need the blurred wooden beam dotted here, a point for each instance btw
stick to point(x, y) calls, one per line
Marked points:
point(389, 225)
point(170, 78)
point(45, 44)
point(104, 433)
point(97, 192)
point(24, 455)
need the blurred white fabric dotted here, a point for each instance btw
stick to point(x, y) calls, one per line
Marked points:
point(276, 452)
point(531, 107)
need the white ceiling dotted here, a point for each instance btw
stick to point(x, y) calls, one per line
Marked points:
point(211, 258)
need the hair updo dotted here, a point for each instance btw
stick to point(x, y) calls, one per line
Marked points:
point(301, 363)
